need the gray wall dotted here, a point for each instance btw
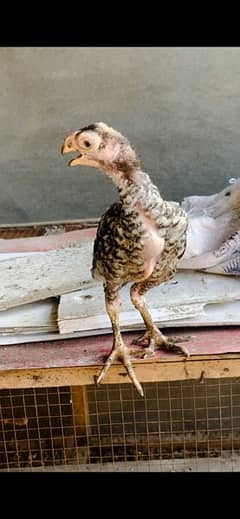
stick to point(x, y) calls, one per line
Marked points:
point(180, 107)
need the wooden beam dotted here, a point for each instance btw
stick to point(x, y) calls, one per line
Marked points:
point(156, 371)
point(80, 421)
point(80, 409)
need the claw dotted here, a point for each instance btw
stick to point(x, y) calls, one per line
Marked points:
point(148, 352)
point(143, 338)
point(156, 339)
point(171, 346)
point(121, 353)
point(179, 338)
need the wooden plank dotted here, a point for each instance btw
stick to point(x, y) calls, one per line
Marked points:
point(76, 362)
point(85, 309)
point(30, 318)
point(51, 241)
point(197, 464)
point(80, 419)
point(40, 276)
point(128, 320)
point(80, 409)
point(37, 276)
point(226, 314)
point(213, 354)
point(85, 222)
point(145, 371)
point(91, 351)
point(213, 315)
point(69, 269)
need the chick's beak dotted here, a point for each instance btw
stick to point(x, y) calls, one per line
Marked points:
point(63, 149)
point(76, 162)
point(68, 147)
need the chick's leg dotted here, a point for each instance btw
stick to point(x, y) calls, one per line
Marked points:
point(153, 335)
point(119, 350)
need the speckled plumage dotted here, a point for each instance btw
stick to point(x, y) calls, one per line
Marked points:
point(139, 239)
point(119, 244)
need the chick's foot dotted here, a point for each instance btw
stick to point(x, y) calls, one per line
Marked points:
point(122, 353)
point(156, 340)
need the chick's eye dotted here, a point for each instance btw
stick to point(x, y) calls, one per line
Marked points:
point(228, 193)
point(87, 144)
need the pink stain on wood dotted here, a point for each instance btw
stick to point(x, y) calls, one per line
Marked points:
point(46, 243)
point(90, 351)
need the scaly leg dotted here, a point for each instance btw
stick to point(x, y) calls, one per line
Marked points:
point(119, 350)
point(153, 335)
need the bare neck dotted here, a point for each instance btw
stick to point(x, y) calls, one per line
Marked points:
point(135, 188)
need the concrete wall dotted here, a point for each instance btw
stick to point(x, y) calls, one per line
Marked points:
point(180, 107)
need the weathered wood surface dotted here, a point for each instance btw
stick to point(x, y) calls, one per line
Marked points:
point(170, 303)
point(157, 371)
point(186, 288)
point(214, 353)
point(40, 276)
point(214, 315)
point(51, 241)
point(197, 464)
point(30, 318)
point(226, 314)
point(186, 300)
point(37, 276)
point(90, 351)
point(190, 299)
point(97, 319)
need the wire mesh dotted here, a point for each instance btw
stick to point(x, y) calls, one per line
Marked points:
point(177, 426)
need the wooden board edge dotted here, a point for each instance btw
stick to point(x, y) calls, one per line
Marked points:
point(43, 223)
point(146, 372)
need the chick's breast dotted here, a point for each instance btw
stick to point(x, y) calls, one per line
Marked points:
point(118, 245)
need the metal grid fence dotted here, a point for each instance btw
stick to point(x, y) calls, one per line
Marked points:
point(177, 426)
